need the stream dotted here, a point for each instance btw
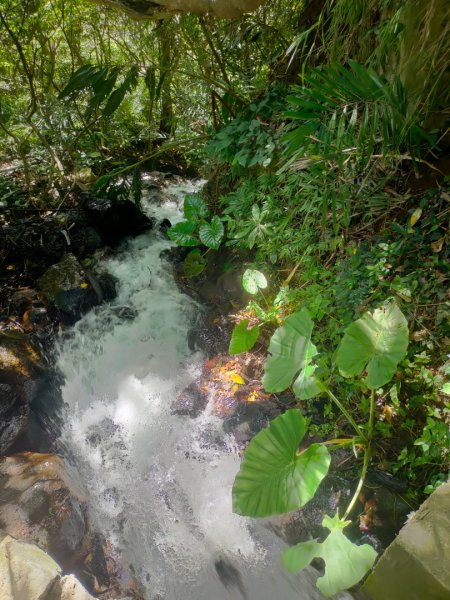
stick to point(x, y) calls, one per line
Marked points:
point(159, 484)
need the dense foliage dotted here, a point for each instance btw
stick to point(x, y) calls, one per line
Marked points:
point(322, 127)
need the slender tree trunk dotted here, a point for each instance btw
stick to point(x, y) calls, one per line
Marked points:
point(165, 33)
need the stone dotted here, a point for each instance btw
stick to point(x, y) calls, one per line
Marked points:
point(26, 572)
point(21, 372)
point(415, 566)
point(114, 220)
point(164, 225)
point(39, 504)
point(29, 573)
point(68, 290)
point(249, 418)
point(71, 589)
point(191, 402)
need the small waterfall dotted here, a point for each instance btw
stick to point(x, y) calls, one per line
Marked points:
point(159, 484)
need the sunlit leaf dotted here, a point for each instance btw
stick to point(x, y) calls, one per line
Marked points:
point(415, 216)
point(242, 338)
point(253, 281)
point(376, 342)
point(345, 562)
point(211, 234)
point(291, 350)
point(273, 477)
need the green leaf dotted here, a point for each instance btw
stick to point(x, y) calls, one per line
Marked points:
point(307, 386)
point(194, 263)
point(195, 208)
point(79, 80)
point(345, 562)
point(290, 351)
point(183, 234)
point(242, 338)
point(253, 280)
point(376, 342)
point(211, 234)
point(273, 478)
point(116, 98)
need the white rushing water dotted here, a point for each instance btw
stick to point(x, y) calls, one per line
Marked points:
point(159, 484)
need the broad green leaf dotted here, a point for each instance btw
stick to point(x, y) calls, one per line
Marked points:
point(194, 263)
point(290, 351)
point(242, 338)
point(194, 208)
point(211, 234)
point(183, 234)
point(376, 342)
point(273, 477)
point(253, 280)
point(345, 562)
point(307, 386)
point(298, 557)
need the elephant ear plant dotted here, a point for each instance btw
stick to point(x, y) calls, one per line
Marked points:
point(276, 476)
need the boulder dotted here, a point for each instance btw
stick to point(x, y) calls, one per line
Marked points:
point(21, 373)
point(191, 402)
point(29, 573)
point(39, 504)
point(249, 418)
point(68, 290)
point(114, 220)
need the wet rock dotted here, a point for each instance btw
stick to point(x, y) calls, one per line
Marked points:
point(249, 418)
point(126, 313)
point(39, 504)
point(114, 220)
point(108, 285)
point(301, 525)
point(68, 290)
point(29, 573)
point(191, 402)
point(164, 225)
point(92, 239)
point(211, 334)
point(21, 373)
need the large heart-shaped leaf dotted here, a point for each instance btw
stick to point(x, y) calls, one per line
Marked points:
point(291, 351)
point(211, 234)
point(345, 562)
point(194, 208)
point(183, 234)
point(242, 338)
point(253, 281)
point(273, 477)
point(376, 342)
point(194, 263)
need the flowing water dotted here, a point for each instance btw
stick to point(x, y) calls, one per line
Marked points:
point(159, 484)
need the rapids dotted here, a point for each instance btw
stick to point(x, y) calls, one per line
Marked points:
point(159, 484)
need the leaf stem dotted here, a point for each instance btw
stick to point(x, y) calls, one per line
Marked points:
point(367, 452)
point(344, 411)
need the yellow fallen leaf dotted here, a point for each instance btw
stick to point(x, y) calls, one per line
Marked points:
point(84, 285)
point(415, 216)
point(10, 267)
point(437, 246)
point(234, 388)
point(237, 378)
